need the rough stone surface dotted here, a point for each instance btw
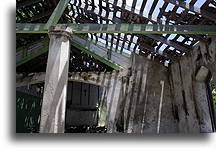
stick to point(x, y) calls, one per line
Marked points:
point(55, 90)
point(152, 98)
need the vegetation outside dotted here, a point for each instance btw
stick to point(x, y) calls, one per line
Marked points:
point(214, 94)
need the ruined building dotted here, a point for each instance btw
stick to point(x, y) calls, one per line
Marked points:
point(115, 66)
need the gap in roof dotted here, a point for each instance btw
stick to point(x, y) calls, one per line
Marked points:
point(129, 3)
point(169, 7)
point(171, 36)
point(161, 49)
point(210, 5)
point(138, 4)
point(148, 5)
point(180, 39)
point(157, 8)
point(199, 3)
point(179, 10)
point(188, 1)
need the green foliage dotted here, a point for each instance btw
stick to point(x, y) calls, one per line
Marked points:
point(213, 94)
point(214, 97)
point(28, 109)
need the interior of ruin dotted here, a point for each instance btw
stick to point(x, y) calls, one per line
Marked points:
point(115, 66)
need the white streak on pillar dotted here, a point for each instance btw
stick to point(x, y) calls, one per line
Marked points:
point(160, 106)
point(55, 90)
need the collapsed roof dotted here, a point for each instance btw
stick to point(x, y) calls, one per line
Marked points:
point(163, 48)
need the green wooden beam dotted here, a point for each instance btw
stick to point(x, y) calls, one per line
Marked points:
point(57, 13)
point(27, 57)
point(123, 28)
point(96, 56)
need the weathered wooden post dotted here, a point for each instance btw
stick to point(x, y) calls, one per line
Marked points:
point(56, 79)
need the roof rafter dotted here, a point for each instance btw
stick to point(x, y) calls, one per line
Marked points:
point(57, 13)
point(196, 10)
point(118, 61)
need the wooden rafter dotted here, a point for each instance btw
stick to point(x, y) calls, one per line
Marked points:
point(189, 7)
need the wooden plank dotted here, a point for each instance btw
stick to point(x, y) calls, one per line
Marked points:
point(94, 95)
point(142, 7)
point(153, 7)
point(85, 94)
point(99, 50)
point(169, 42)
point(96, 78)
point(196, 10)
point(140, 71)
point(29, 80)
point(123, 28)
point(203, 111)
point(112, 101)
point(187, 93)
point(76, 97)
point(69, 93)
point(179, 106)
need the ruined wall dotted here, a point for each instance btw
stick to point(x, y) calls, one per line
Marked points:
point(189, 79)
point(144, 103)
point(152, 98)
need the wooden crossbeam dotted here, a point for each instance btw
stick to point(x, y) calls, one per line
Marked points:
point(123, 28)
point(117, 61)
point(196, 10)
point(99, 52)
point(25, 54)
point(57, 13)
point(96, 78)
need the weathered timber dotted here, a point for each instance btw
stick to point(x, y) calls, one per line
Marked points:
point(122, 28)
point(57, 13)
point(98, 51)
point(96, 78)
point(198, 11)
point(194, 101)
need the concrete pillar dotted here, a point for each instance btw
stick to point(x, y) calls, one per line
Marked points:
point(55, 89)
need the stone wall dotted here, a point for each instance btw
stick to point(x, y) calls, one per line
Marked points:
point(152, 98)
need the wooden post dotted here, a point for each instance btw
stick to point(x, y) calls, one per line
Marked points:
point(55, 89)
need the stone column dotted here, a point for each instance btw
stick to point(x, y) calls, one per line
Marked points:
point(56, 79)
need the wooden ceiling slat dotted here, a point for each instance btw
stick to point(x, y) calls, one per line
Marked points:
point(85, 16)
point(153, 7)
point(192, 2)
point(143, 6)
point(133, 5)
point(202, 12)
